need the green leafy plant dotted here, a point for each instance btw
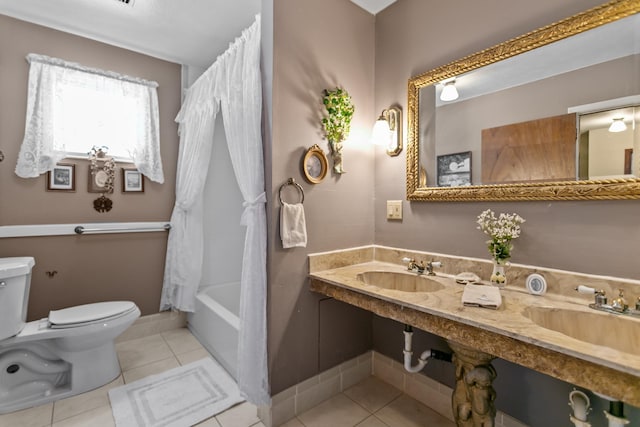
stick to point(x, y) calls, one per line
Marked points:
point(340, 110)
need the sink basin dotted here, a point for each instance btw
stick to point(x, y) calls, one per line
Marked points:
point(618, 332)
point(405, 282)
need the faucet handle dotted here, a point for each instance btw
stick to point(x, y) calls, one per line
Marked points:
point(600, 295)
point(407, 259)
point(582, 289)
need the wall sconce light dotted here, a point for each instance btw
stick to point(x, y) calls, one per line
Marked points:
point(618, 125)
point(387, 130)
point(449, 91)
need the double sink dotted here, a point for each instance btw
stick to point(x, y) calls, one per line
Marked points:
point(601, 329)
point(556, 333)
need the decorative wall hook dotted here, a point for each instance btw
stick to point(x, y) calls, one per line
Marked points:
point(102, 204)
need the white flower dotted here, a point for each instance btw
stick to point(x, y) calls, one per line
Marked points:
point(503, 228)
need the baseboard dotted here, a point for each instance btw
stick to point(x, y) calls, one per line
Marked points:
point(154, 324)
point(301, 397)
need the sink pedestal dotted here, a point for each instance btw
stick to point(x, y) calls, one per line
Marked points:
point(473, 394)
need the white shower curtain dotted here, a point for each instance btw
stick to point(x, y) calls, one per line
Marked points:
point(239, 89)
point(234, 82)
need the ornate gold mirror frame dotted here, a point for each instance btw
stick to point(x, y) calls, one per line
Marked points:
point(563, 190)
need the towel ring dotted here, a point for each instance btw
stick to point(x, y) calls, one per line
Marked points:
point(291, 181)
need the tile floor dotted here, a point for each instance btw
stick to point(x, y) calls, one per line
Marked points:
point(371, 403)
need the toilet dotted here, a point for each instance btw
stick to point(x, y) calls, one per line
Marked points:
point(67, 353)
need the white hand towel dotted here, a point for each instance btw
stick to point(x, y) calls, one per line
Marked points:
point(293, 228)
point(481, 296)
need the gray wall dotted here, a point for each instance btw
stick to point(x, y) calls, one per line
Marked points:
point(414, 36)
point(83, 262)
point(317, 45)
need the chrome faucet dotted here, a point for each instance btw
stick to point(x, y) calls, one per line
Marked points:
point(618, 305)
point(421, 267)
point(414, 266)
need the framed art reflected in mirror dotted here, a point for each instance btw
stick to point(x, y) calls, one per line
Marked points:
point(454, 170)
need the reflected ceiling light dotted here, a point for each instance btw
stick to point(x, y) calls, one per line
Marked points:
point(387, 130)
point(618, 125)
point(449, 91)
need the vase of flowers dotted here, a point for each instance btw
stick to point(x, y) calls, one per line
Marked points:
point(502, 230)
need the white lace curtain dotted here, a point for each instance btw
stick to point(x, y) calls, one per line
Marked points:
point(233, 82)
point(44, 138)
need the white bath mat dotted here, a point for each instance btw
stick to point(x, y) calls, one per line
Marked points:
point(180, 397)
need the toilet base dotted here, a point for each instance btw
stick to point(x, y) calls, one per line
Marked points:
point(69, 373)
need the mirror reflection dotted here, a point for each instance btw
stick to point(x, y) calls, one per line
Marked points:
point(540, 116)
point(606, 143)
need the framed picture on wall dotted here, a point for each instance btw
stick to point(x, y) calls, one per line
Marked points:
point(132, 181)
point(62, 178)
point(454, 170)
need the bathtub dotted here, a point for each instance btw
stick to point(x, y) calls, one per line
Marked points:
point(215, 323)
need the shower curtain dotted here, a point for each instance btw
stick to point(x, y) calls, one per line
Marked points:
point(233, 85)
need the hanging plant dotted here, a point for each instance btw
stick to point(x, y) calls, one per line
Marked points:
point(337, 123)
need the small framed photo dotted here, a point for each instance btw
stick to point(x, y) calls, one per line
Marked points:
point(62, 178)
point(454, 170)
point(132, 181)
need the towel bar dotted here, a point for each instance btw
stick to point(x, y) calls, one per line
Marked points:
point(81, 230)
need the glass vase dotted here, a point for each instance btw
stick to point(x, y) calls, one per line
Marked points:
point(498, 276)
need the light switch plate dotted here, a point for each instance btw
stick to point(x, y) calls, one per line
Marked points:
point(394, 209)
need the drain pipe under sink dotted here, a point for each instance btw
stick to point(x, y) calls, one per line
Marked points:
point(424, 357)
point(615, 414)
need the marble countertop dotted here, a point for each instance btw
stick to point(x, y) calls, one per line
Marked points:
point(509, 320)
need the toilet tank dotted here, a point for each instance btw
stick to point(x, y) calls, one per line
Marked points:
point(15, 280)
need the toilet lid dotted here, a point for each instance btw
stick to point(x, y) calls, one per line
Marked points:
point(88, 313)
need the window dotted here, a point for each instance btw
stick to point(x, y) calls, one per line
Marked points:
point(85, 117)
point(72, 108)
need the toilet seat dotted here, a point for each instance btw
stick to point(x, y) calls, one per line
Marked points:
point(89, 314)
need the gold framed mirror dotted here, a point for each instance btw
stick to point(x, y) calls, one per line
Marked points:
point(423, 109)
point(314, 164)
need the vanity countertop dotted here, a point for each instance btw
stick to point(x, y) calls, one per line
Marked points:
point(506, 332)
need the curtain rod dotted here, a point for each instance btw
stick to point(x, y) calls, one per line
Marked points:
point(43, 59)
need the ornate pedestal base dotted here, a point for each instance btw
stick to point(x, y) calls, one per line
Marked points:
point(473, 395)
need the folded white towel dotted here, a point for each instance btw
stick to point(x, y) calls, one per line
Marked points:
point(293, 227)
point(481, 296)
